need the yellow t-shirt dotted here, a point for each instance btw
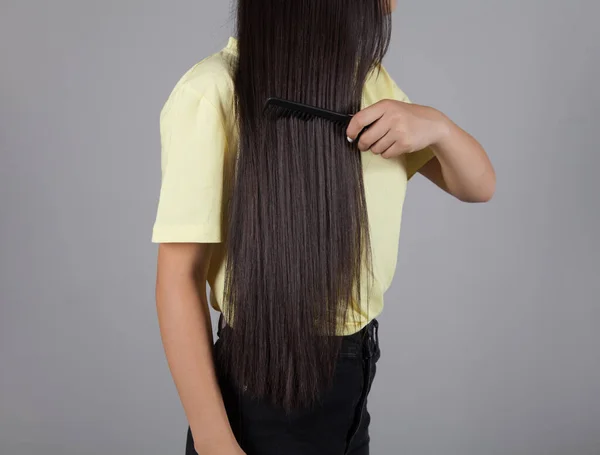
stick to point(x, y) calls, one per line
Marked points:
point(198, 142)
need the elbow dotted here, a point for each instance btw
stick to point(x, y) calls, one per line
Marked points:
point(481, 198)
point(490, 188)
point(483, 193)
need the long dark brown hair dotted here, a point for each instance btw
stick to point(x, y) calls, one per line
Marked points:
point(298, 242)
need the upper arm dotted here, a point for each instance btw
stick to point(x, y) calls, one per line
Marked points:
point(182, 262)
point(433, 171)
point(189, 213)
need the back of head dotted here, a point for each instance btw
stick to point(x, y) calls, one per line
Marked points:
point(298, 233)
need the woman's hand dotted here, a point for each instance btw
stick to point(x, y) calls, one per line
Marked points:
point(397, 128)
point(462, 167)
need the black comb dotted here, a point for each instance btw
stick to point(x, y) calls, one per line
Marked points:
point(280, 108)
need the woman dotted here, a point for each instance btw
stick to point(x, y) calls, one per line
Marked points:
point(293, 223)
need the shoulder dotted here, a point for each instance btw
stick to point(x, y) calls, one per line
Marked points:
point(210, 80)
point(381, 85)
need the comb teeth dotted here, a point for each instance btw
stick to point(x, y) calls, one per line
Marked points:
point(278, 108)
point(275, 112)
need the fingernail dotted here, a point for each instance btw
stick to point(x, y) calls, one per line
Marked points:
point(350, 139)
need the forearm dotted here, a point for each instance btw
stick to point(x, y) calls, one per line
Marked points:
point(466, 168)
point(186, 333)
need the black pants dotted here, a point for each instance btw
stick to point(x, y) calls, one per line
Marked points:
point(338, 426)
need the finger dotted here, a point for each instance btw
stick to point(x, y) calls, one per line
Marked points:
point(383, 145)
point(363, 118)
point(372, 134)
point(391, 151)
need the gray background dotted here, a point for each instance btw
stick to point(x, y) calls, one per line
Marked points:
point(489, 336)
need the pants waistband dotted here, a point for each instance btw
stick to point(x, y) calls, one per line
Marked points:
point(368, 337)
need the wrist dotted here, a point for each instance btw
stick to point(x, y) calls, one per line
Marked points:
point(442, 127)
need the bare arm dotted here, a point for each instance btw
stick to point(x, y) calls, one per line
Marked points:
point(433, 171)
point(185, 328)
point(462, 167)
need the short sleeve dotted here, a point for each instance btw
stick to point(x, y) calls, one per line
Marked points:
point(193, 147)
point(415, 160)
